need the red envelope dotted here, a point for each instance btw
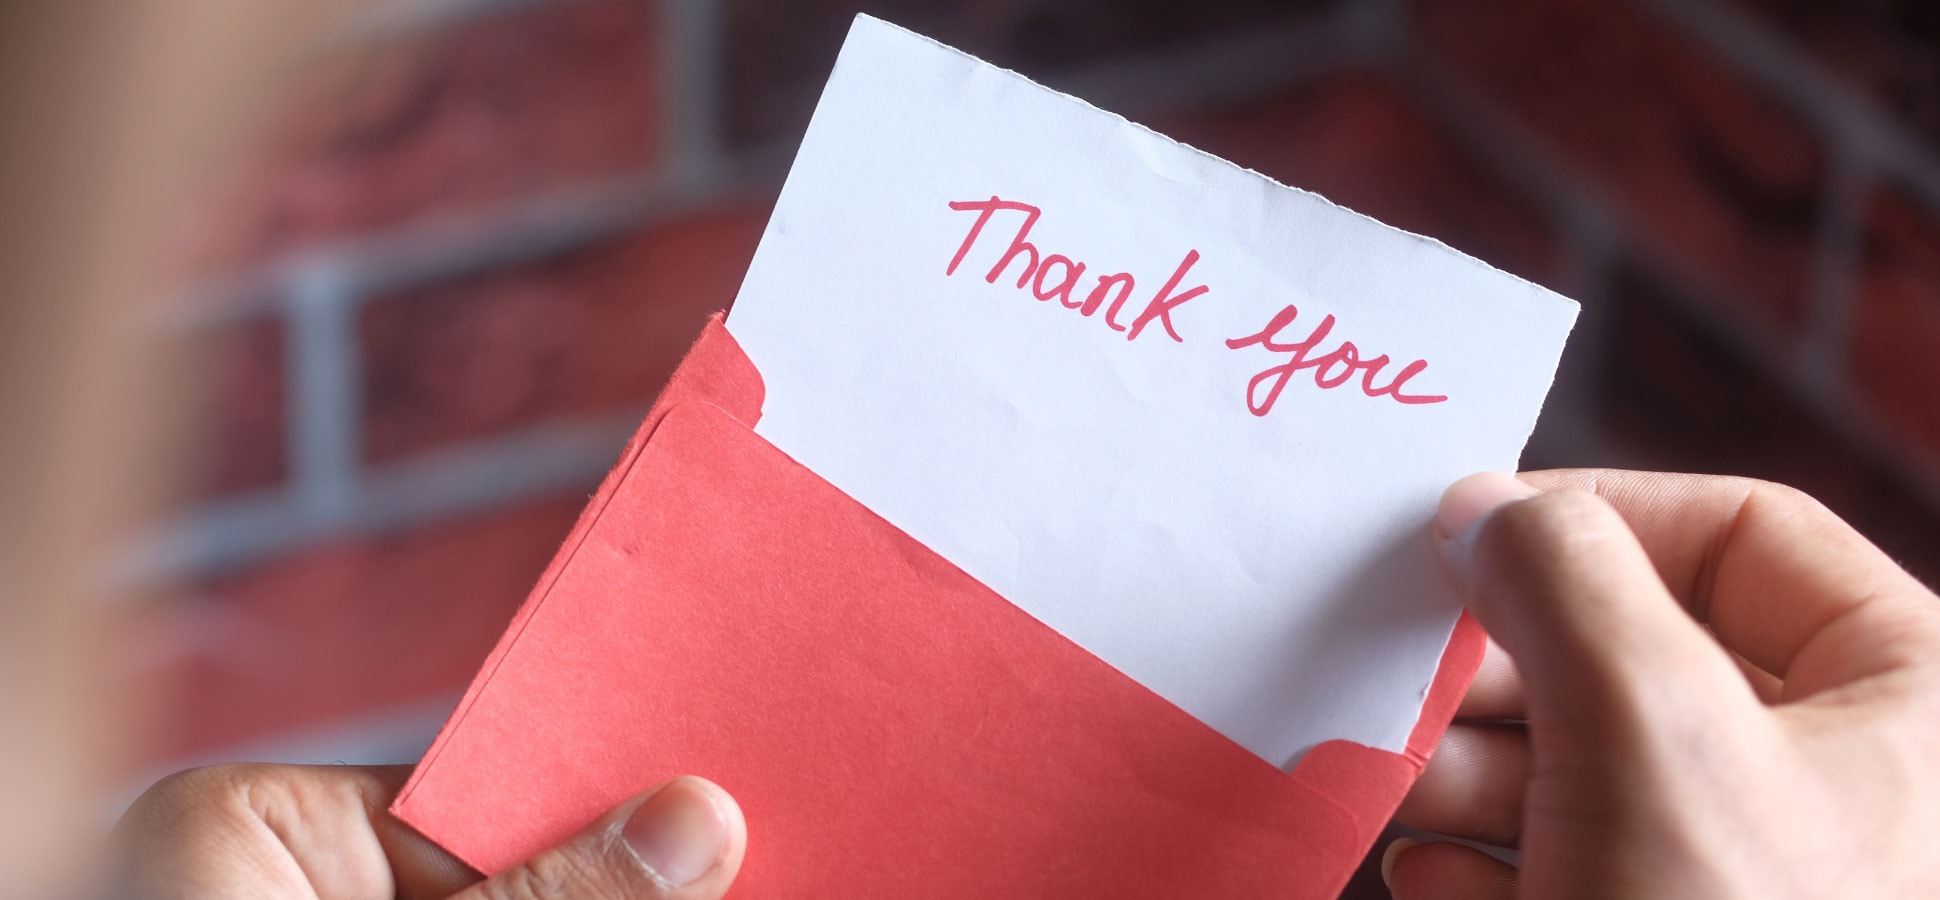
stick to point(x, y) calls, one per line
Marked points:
point(891, 726)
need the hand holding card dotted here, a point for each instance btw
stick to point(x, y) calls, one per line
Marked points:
point(1052, 523)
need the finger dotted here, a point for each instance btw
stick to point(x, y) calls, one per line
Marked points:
point(1443, 871)
point(281, 831)
point(1473, 786)
point(1562, 584)
point(681, 841)
point(1496, 691)
point(1779, 578)
point(420, 869)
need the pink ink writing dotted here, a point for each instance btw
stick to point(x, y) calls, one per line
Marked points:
point(1330, 370)
point(1057, 276)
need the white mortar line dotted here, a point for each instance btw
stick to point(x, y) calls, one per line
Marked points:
point(321, 384)
point(1837, 266)
point(452, 246)
point(403, 18)
point(689, 58)
point(539, 461)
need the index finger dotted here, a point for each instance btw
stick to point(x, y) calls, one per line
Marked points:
point(1780, 579)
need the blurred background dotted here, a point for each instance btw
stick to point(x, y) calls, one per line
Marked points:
point(438, 284)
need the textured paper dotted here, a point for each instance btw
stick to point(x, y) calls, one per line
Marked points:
point(1263, 567)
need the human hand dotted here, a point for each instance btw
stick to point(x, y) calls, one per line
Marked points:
point(1777, 735)
point(274, 832)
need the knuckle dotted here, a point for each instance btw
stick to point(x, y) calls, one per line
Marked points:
point(192, 799)
point(1782, 498)
point(565, 872)
point(533, 879)
point(196, 785)
point(1768, 500)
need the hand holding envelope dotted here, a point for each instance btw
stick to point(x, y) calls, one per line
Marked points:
point(1059, 491)
point(1575, 585)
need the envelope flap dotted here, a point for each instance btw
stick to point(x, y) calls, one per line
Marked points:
point(1370, 782)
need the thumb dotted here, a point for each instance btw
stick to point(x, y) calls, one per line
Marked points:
point(1562, 584)
point(680, 841)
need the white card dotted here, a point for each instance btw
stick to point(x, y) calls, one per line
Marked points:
point(1111, 446)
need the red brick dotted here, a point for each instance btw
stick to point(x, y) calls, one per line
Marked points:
point(779, 52)
point(1885, 50)
point(1359, 143)
point(1895, 365)
point(349, 627)
point(1675, 397)
point(1714, 171)
point(238, 414)
point(593, 331)
point(455, 121)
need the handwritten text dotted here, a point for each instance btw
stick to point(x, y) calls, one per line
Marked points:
point(1331, 370)
point(1058, 276)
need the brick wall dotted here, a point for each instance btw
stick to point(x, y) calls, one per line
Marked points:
point(445, 279)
